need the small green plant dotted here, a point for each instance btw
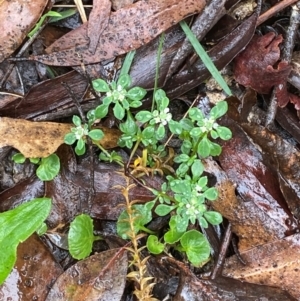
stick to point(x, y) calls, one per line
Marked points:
point(48, 167)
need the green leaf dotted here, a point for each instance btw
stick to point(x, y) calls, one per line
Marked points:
point(196, 114)
point(107, 100)
point(127, 62)
point(172, 235)
point(175, 127)
point(35, 160)
point(202, 182)
point(213, 217)
point(16, 226)
point(49, 168)
point(186, 146)
point(148, 132)
point(219, 110)
point(96, 134)
point(182, 169)
point(80, 147)
point(135, 104)
point(81, 237)
point(153, 245)
point(142, 215)
point(160, 132)
point(42, 229)
point(181, 223)
point(205, 58)
point(76, 120)
point(124, 81)
point(100, 85)
point(163, 210)
point(197, 169)
point(215, 149)
point(69, 138)
point(196, 132)
point(203, 149)
point(196, 246)
point(211, 193)
point(186, 124)
point(18, 158)
point(224, 132)
point(214, 134)
point(101, 111)
point(136, 93)
point(181, 158)
point(119, 111)
point(143, 116)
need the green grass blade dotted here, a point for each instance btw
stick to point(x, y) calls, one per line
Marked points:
point(127, 62)
point(205, 58)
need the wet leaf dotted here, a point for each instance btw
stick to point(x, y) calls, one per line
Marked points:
point(100, 277)
point(17, 18)
point(253, 221)
point(28, 278)
point(274, 264)
point(258, 67)
point(191, 288)
point(128, 28)
point(285, 159)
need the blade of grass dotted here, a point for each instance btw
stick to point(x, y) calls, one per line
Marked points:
point(127, 62)
point(159, 51)
point(205, 58)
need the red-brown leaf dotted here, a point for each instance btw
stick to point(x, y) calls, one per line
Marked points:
point(258, 67)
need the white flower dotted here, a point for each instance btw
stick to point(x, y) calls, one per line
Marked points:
point(162, 117)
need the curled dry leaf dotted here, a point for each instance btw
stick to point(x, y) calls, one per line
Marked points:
point(40, 139)
point(255, 66)
point(17, 18)
point(100, 277)
point(129, 28)
point(275, 264)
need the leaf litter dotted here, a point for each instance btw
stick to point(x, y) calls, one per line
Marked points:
point(259, 193)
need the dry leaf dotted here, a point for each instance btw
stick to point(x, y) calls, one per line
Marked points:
point(40, 139)
point(100, 277)
point(129, 28)
point(275, 264)
point(17, 18)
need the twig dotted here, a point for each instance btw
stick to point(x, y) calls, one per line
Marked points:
point(274, 10)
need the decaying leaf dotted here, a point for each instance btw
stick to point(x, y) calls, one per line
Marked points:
point(40, 139)
point(28, 281)
point(98, 20)
point(100, 277)
point(257, 66)
point(192, 288)
point(17, 18)
point(275, 264)
point(285, 158)
point(253, 224)
point(128, 28)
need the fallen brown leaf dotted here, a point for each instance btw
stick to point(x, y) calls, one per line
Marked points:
point(275, 264)
point(17, 18)
point(40, 139)
point(99, 277)
point(129, 28)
